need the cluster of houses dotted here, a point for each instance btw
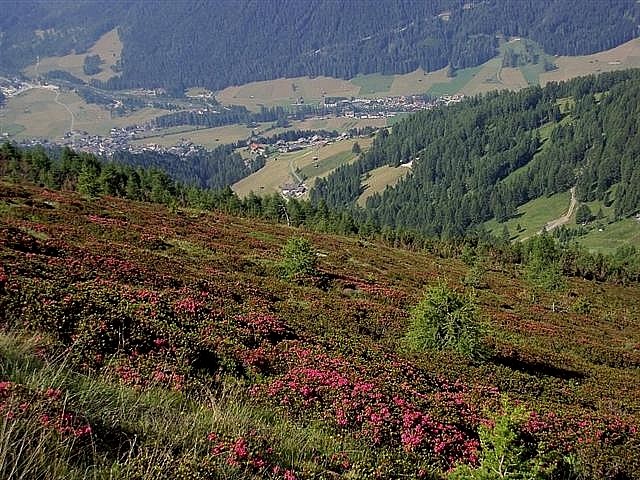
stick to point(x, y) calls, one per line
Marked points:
point(118, 140)
point(149, 92)
point(305, 142)
point(282, 146)
point(11, 88)
point(293, 190)
point(121, 138)
point(385, 107)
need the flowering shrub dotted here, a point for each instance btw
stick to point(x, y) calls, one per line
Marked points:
point(256, 327)
point(125, 302)
point(251, 453)
point(352, 399)
point(45, 408)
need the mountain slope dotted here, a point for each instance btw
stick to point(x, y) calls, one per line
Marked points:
point(485, 157)
point(222, 43)
point(184, 316)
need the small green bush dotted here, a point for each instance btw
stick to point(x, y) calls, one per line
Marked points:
point(543, 268)
point(584, 214)
point(582, 305)
point(504, 452)
point(445, 320)
point(299, 259)
point(475, 278)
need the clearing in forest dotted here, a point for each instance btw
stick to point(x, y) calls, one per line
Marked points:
point(623, 56)
point(280, 167)
point(286, 91)
point(378, 179)
point(207, 137)
point(417, 81)
point(532, 216)
point(108, 47)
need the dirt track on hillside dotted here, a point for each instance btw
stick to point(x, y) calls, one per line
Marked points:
point(564, 219)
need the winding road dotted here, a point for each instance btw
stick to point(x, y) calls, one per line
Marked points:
point(292, 169)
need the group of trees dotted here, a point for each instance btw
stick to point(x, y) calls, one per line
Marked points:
point(235, 42)
point(483, 158)
point(92, 65)
point(233, 115)
point(214, 169)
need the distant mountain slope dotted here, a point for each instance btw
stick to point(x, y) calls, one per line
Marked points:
point(483, 158)
point(33, 28)
point(216, 44)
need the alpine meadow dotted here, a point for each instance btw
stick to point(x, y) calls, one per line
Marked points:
point(320, 239)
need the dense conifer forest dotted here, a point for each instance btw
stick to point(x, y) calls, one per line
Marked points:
point(484, 157)
point(221, 43)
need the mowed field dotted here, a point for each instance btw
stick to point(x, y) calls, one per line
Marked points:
point(279, 167)
point(532, 216)
point(624, 56)
point(341, 124)
point(286, 91)
point(109, 47)
point(493, 77)
point(612, 236)
point(207, 137)
point(36, 113)
point(418, 81)
point(379, 179)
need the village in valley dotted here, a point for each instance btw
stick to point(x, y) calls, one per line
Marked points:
point(131, 138)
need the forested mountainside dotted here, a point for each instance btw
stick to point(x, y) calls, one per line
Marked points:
point(220, 43)
point(482, 158)
point(41, 28)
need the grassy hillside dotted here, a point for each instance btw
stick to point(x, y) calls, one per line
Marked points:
point(311, 163)
point(141, 343)
point(604, 235)
point(489, 76)
point(380, 178)
point(41, 113)
point(532, 216)
point(108, 47)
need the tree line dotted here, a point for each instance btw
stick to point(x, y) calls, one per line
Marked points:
point(214, 169)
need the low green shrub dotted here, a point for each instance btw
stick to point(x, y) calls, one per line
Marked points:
point(445, 320)
point(299, 259)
